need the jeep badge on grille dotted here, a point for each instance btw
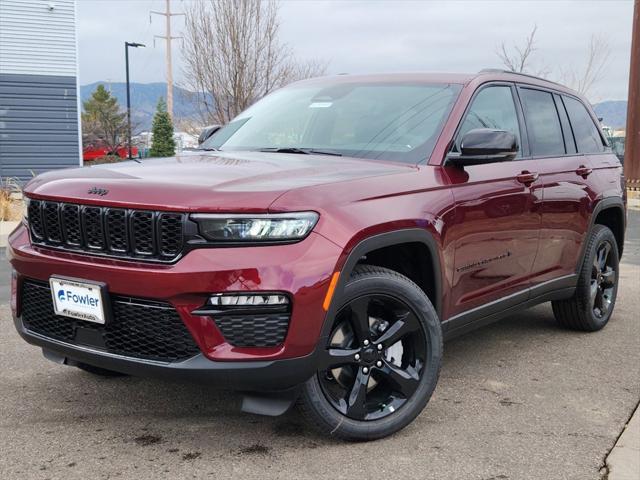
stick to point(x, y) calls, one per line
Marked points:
point(98, 191)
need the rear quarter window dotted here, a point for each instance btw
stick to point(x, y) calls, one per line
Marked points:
point(588, 139)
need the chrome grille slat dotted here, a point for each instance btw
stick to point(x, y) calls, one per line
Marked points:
point(117, 232)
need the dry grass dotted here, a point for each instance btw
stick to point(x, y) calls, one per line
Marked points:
point(11, 204)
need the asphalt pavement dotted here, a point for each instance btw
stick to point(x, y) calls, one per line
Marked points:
point(520, 399)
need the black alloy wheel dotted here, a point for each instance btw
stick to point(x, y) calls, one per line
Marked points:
point(378, 364)
point(592, 304)
point(603, 280)
point(374, 358)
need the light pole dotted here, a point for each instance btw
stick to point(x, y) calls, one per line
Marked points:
point(126, 58)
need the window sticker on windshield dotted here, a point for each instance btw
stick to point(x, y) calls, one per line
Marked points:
point(320, 104)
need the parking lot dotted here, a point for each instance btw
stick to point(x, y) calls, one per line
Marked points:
point(520, 399)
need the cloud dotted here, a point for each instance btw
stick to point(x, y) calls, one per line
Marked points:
point(378, 36)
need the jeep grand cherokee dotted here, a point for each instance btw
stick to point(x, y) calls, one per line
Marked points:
point(321, 246)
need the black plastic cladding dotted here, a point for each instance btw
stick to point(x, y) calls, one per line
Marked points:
point(139, 328)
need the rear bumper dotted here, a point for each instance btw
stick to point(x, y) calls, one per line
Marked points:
point(270, 375)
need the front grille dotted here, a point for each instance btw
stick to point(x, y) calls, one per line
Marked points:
point(254, 330)
point(118, 232)
point(139, 328)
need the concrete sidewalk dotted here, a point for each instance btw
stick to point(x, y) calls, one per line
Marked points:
point(623, 462)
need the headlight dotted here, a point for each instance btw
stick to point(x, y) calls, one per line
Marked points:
point(256, 228)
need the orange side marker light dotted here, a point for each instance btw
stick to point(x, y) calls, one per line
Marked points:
point(332, 288)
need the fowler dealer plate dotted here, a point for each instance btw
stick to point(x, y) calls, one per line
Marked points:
point(78, 299)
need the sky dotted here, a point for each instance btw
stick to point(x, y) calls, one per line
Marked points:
point(357, 36)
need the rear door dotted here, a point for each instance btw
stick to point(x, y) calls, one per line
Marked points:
point(564, 173)
point(496, 210)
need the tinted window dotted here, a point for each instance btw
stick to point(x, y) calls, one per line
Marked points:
point(584, 130)
point(569, 142)
point(493, 107)
point(543, 125)
point(385, 121)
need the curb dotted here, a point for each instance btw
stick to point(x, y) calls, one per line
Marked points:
point(623, 461)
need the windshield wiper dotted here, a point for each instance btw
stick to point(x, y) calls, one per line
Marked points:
point(302, 151)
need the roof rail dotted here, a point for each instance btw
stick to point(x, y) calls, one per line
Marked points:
point(501, 70)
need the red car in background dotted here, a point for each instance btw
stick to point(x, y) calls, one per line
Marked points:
point(93, 152)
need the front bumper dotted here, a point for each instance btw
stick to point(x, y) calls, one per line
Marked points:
point(266, 375)
point(301, 270)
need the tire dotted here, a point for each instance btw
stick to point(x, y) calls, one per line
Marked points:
point(100, 372)
point(404, 371)
point(592, 304)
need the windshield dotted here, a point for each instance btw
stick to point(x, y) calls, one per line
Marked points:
point(385, 121)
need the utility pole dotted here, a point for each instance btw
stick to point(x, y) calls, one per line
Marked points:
point(632, 142)
point(167, 14)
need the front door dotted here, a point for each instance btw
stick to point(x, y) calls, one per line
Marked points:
point(497, 211)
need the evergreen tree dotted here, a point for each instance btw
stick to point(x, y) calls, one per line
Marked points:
point(163, 143)
point(102, 121)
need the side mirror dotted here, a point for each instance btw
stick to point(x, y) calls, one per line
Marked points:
point(485, 145)
point(207, 132)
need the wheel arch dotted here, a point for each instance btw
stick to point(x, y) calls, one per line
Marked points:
point(414, 237)
point(609, 212)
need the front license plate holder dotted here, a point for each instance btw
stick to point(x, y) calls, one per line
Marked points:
point(80, 299)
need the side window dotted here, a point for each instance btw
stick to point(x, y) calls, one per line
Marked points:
point(569, 142)
point(585, 131)
point(543, 124)
point(493, 107)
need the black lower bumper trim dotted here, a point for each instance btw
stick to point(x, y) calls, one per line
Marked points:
point(270, 375)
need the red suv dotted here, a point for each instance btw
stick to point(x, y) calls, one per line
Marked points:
point(323, 244)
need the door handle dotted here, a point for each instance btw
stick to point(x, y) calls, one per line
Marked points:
point(527, 177)
point(584, 171)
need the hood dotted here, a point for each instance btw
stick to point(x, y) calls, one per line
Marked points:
point(204, 181)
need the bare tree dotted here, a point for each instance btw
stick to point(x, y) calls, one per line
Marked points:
point(519, 60)
point(191, 126)
point(583, 80)
point(233, 57)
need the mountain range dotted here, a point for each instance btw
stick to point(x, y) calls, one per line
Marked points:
point(144, 97)
point(612, 112)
